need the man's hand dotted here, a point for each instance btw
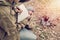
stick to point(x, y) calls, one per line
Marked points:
point(30, 13)
point(18, 10)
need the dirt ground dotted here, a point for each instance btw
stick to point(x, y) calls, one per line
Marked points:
point(44, 7)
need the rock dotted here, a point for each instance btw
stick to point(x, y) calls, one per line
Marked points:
point(27, 35)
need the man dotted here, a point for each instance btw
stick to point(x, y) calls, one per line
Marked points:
point(28, 19)
point(44, 21)
point(8, 29)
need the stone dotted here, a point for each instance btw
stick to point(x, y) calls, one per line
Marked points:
point(27, 35)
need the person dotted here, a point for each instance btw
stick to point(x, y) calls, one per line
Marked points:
point(26, 28)
point(28, 19)
point(8, 29)
point(44, 21)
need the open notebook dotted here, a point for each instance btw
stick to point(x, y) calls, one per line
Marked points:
point(24, 14)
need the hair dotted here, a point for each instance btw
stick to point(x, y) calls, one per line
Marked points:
point(27, 27)
point(22, 1)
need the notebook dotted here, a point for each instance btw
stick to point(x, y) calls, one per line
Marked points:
point(24, 13)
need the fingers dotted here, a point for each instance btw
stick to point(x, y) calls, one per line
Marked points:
point(18, 10)
point(30, 12)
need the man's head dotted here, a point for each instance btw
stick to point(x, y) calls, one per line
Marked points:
point(28, 27)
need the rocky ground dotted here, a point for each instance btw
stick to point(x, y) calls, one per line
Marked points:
point(41, 7)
